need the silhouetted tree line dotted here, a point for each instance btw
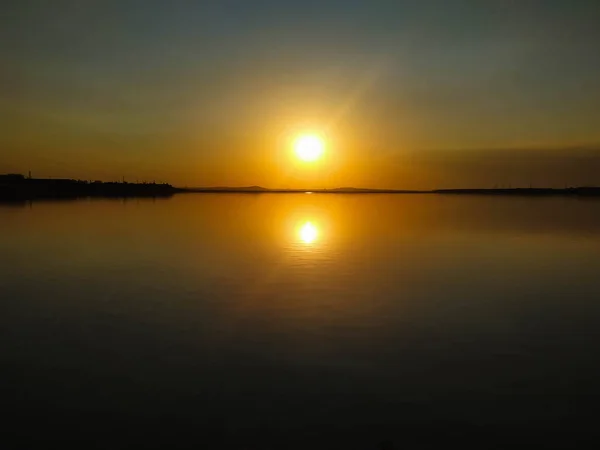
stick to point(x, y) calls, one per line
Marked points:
point(19, 187)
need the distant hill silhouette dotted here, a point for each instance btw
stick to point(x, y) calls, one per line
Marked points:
point(588, 191)
point(259, 189)
point(579, 191)
point(228, 189)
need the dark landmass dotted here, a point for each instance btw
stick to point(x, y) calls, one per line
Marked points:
point(587, 191)
point(15, 187)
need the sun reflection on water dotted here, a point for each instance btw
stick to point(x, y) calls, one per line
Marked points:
point(308, 232)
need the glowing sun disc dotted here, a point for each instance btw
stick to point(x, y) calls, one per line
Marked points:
point(309, 147)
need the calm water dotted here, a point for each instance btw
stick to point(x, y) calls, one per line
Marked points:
point(301, 321)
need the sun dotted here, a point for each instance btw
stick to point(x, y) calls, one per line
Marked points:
point(309, 147)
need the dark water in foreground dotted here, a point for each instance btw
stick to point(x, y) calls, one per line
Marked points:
point(301, 321)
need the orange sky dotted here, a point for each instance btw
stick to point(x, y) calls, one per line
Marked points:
point(409, 96)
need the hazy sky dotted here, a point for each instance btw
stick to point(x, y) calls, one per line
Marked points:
point(416, 94)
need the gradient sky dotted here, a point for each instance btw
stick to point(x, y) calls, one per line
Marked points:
point(411, 94)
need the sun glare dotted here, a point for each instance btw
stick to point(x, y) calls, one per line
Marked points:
point(309, 147)
point(308, 233)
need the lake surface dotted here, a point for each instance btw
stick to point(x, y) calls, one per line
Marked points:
point(301, 321)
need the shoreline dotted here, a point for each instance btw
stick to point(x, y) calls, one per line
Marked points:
point(15, 187)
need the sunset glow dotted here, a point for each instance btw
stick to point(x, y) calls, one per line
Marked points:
point(283, 102)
